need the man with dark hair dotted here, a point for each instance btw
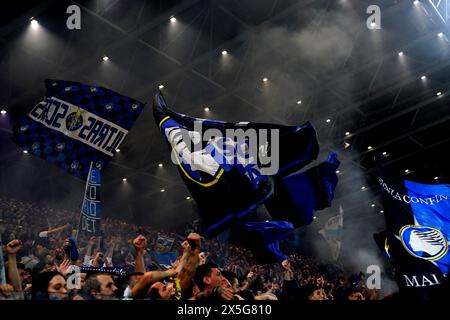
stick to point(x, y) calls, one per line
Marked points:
point(99, 287)
point(209, 280)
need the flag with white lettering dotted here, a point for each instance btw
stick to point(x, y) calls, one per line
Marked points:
point(418, 230)
point(332, 233)
point(91, 208)
point(230, 168)
point(77, 124)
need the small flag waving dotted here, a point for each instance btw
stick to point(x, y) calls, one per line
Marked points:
point(332, 232)
point(77, 124)
point(90, 210)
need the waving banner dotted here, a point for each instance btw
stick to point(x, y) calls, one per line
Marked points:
point(77, 124)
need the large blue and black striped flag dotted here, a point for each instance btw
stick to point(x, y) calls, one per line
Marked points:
point(418, 230)
point(77, 124)
point(232, 168)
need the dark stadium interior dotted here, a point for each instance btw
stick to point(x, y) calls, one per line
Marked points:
point(320, 52)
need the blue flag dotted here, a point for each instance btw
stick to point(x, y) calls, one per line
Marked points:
point(298, 195)
point(232, 168)
point(91, 208)
point(418, 230)
point(77, 124)
point(265, 239)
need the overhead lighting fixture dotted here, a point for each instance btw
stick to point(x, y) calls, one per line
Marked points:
point(162, 190)
point(384, 153)
point(436, 178)
point(328, 120)
point(124, 179)
point(105, 58)
point(362, 188)
point(438, 93)
point(400, 53)
point(416, 2)
point(161, 87)
point(25, 151)
point(406, 171)
point(173, 19)
point(206, 109)
point(265, 79)
point(369, 148)
point(34, 24)
point(381, 211)
point(337, 171)
point(314, 218)
point(188, 198)
point(160, 165)
point(347, 133)
point(373, 205)
point(3, 111)
point(423, 77)
point(117, 150)
point(440, 34)
point(299, 102)
point(224, 52)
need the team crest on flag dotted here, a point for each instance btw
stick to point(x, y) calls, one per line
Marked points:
point(77, 124)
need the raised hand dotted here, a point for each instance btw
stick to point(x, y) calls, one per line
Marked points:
point(63, 267)
point(14, 246)
point(140, 243)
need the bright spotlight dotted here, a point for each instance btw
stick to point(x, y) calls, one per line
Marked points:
point(369, 148)
point(173, 19)
point(161, 87)
point(105, 58)
point(224, 52)
point(423, 77)
point(406, 171)
point(299, 102)
point(206, 109)
point(337, 171)
point(400, 53)
point(347, 133)
point(363, 188)
point(381, 211)
point(124, 179)
point(3, 111)
point(440, 34)
point(160, 165)
point(438, 93)
point(25, 151)
point(117, 150)
point(416, 2)
point(188, 198)
point(34, 24)
point(436, 178)
point(162, 190)
point(373, 205)
point(384, 153)
point(265, 79)
point(328, 120)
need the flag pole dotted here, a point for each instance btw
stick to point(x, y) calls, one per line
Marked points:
point(84, 196)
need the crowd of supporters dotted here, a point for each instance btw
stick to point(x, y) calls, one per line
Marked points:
point(45, 258)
